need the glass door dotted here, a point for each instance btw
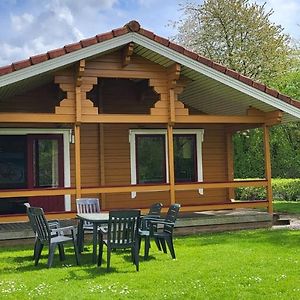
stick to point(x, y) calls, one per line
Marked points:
point(46, 169)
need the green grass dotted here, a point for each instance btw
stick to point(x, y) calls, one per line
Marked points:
point(261, 264)
point(291, 207)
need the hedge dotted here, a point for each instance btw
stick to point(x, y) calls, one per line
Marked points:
point(283, 189)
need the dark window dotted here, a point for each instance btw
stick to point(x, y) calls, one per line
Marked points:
point(46, 163)
point(185, 159)
point(13, 162)
point(150, 158)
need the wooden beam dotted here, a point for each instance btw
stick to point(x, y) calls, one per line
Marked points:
point(172, 114)
point(220, 185)
point(77, 161)
point(174, 74)
point(171, 164)
point(173, 77)
point(35, 118)
point(271, 117)
point(78, 104)
point(80, 72)
point(102, 163)
point(78, 90)
point(230, 165)
point(124, 189)
point(36, 192)
point(209, 119)
point(124, 119)
point(268, 171)
point(127, 53)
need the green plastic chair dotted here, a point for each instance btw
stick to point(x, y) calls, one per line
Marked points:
point(121, 234)
point(144, 230)
point(44, 235)
point(162, 230)
point(87, 205)
point(53, 224)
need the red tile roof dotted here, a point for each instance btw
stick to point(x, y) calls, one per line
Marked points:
point(134, 26)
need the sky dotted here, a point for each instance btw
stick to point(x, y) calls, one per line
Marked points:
point(29, 27)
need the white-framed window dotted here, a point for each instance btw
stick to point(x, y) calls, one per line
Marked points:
point(149, 156)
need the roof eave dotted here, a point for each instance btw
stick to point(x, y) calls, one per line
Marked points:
point(150, 44)
point(218, 76)
point(65, 60)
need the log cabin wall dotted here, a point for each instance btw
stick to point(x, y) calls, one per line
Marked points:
point(119, 95)
point(117, 165)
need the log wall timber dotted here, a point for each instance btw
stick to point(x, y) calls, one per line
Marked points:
point(117, 166)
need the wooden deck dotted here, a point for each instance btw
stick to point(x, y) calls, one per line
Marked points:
point(187, 223)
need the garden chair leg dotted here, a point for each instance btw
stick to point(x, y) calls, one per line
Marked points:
point(163, 244)
point(147, 247)
point(51, 254)
point(171, 246)
point(39, 248)
point(157, 243)
point(61, 251)
point(108, 258)
point(100, 250)
point(136, 257)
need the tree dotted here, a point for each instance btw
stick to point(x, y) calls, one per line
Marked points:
point(240, 35)
point(237, 34)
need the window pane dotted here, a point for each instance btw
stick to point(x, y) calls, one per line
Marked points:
point(13, 162)
point(150, 158)
point(185, 157)
point(46, 163)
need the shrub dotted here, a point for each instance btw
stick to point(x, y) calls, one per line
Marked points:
point(283, 189)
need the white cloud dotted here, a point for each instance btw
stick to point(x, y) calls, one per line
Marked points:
point(38, 26)
point(21, 22)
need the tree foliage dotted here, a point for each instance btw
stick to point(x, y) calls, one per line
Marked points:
point(237, 34)
point(240, 35)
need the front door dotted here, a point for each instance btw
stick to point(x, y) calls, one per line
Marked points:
point(45, 169)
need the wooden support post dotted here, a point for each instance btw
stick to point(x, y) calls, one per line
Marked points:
point(102, 164)
point(77, 161)
point(78, 104)
point(127, 53)
point(268, 171)
point(171, 164)
point(230, 166)
point(78, 92)
point(172, 106)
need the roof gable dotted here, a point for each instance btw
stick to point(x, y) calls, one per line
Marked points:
point(132, 32)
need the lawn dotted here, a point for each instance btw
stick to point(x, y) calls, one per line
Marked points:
point(291, 207)
point(256, 264)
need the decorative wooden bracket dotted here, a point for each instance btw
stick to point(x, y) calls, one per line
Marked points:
point(78, 80)
point(271, 118)
point(127, 53)
point(174, 74)
point(76, 85)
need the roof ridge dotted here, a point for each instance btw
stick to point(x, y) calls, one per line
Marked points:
point(134, 26)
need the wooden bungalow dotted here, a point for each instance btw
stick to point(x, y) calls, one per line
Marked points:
point(131, 118)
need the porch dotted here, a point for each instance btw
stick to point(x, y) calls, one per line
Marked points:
point(187, 223)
